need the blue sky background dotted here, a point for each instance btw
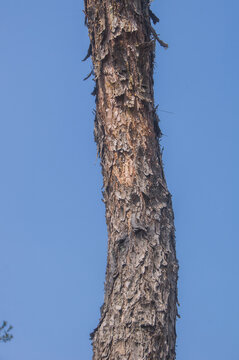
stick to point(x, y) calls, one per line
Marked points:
point(52, 227)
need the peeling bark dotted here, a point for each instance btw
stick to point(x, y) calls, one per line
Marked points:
point(139, 311)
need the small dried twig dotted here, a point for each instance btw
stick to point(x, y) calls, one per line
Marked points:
point(155, 35)
point(89, 52)
point(154, 18)
point(89, 75)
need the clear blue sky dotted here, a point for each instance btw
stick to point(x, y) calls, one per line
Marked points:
point(52, 228)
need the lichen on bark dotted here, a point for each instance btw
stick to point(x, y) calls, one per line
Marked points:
point(139, 311)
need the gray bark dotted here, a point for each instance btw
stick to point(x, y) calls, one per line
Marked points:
point(139, 311)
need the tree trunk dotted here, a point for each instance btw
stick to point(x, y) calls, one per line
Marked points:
point(139, 311)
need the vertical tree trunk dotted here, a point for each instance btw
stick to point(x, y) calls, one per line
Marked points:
point(139, 312)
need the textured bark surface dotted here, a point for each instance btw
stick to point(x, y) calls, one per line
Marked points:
point(139, 311)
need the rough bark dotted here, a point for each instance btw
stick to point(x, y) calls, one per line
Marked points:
point(139, 311)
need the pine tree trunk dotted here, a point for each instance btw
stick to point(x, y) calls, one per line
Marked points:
point(139, 311)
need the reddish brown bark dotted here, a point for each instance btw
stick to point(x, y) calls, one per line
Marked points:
point(139, 312)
